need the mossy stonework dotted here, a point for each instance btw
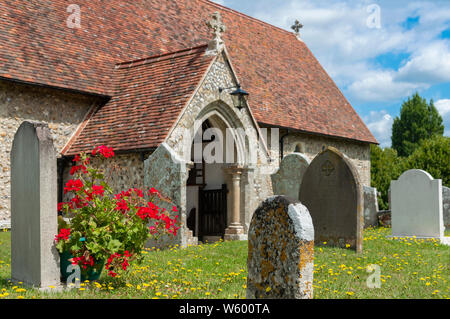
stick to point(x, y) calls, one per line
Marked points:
point(311, 145)
point(280, 251)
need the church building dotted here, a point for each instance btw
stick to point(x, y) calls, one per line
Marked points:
point(145, 77)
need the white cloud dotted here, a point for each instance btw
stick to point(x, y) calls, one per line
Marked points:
point(382, 86)
point(431, 65)
point(339, 36)
point(443, 106)
point(221, 2)
point(380, 124)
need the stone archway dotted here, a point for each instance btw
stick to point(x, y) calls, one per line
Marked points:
point(213, 187)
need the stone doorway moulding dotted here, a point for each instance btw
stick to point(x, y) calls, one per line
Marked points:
point(222, 117)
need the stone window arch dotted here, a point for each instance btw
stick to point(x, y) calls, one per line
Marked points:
point(299, 148)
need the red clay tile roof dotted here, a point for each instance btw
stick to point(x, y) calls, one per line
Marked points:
point(148, 98)
point(288, 86)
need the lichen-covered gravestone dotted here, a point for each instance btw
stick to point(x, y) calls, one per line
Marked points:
point(416, 200)
point(34, 258)
point(333, 195)
point(280, 251)
point(287, 180)
point(446, 206)
point(370, 207)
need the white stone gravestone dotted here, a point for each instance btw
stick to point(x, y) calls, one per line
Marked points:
point(34, 258)
point(416, 205)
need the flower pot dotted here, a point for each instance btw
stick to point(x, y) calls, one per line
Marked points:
point(91, 273)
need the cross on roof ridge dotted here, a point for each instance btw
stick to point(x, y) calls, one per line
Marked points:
point(296, 27)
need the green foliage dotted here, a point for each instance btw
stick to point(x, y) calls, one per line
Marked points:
point(418, 120)
point(433, 156)
point(108, 228)
point(385, 166)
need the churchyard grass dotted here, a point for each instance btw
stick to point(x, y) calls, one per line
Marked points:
point(408, 269)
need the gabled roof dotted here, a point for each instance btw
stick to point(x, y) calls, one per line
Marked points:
point(288, 86)
point(148, 97)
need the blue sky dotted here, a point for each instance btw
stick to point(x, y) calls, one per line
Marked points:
point(378, 52)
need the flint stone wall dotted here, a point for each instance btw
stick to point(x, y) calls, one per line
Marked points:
point(62, 110)
point(311, 145)
point(280, 251)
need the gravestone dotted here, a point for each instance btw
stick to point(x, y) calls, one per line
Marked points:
point(34, 258)
point(370, 207)
point(287, 180)
point(333, 195)
point(446, 206)
point(280, 251)
point(168, 173)
point(416, 200)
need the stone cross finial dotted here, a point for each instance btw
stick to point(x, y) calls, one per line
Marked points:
point(218, 28)
point(296, 27)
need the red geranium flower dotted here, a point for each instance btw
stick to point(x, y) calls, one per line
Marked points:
point(63, 234)
point(107, 152)
point(73, 186)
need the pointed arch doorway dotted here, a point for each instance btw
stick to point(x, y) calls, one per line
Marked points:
point(212, 202)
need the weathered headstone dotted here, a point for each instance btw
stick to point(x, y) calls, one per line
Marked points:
point(446, 206)
point(370, 207)
point(287, 180)
point(333, 194)
point(34, 258)
point(168, 173)
point(416, 200)
point(280, 251)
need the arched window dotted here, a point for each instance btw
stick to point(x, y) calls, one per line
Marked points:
point(299, 148)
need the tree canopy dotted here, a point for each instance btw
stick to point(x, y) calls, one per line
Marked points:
point(418, 121)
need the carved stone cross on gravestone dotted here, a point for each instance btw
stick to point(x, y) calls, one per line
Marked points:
point(218, 28)
point(327, 168)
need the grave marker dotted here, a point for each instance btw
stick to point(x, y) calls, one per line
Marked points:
point(333, 195)
point(370, 207)
point(287, 180)
point(416, 200)
point(280, 251)
point(34, 258)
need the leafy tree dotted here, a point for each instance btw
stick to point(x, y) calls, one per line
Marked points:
point(385, 166)
point(433, 156)
point(418, 120)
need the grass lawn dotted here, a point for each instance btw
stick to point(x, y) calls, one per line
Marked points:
point(409, 269)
